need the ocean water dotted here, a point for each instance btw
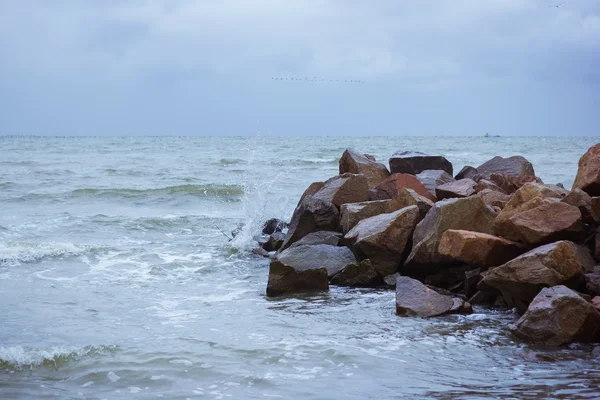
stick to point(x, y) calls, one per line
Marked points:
point(116, 281)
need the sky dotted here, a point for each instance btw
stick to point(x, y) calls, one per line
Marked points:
point(225, 67)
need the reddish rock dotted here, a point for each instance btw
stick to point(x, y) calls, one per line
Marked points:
point(383, 238)
point(390, 188)
point(546, 223)
point(342, 189)
point(477, 248)
point(355, 163)
point(462, 188)
point(588, 174)
point(580, 199)
point(595, 204)
point(485, 184)
point(311, 190)
point(494, 199)
point(414, 162)
point(433, 178)
point(468, 213)
point(510, 184)
point(514, 166)
point(522, 278)
point(413, 299)
point(557, 316)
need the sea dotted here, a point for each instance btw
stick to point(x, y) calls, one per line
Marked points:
point(119, 280)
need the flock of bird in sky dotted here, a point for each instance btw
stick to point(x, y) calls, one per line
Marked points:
point(315, 79)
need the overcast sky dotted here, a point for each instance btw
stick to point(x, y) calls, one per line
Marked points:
point(184, 67)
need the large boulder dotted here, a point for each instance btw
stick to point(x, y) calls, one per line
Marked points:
point(515, 166)
point(312, 215)
point(432, 178)
point(274, 241)
point(361, 274)
point(476, 248)
point(311, 190)
point(521, 279)
point(485, 184)
point(408, 197)
point(466, 172)
point(320, 237)
point(592, 283)
point(468, 213)
point(413, 299)
point(390, 188)
point(557, 316)
point(355, 163)
point(546, 223)
point(383, 238)
point(342, 189)
point(284, 279)
point(332, 258)
point(414, 162)
point(588, 174)
point(462, 188)
point(530, 196)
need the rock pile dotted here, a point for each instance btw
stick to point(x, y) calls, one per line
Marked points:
point(494, 234)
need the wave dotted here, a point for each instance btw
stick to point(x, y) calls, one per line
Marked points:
point(307, 161)
point(12, 254)
point(206, 190)
point(18, 357)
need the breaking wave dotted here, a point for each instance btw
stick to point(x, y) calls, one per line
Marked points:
point(18, 357)
point(12, 253)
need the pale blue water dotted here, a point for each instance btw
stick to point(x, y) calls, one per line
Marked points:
point(116, 283)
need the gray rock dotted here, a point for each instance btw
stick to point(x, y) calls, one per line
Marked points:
point(274, 241)
point(462, 188)
point(383, 238)
point(320, 237)
point(592, 284)
point(557, 316)
point(284, 279)
point(414, 162)
point(357, 275)
point(467, 172)
point(312, 215)
point(514, 166)
point(273, 225)
point(332, 258)
point(413, 299)
point(432, 178)
point(356, 163)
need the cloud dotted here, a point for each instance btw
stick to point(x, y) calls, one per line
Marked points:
point(427, 42)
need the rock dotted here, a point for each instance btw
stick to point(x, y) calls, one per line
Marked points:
point(592, 283)
point(285, 279)
point(529, 196)
point(494, 199)
point(413, 299)
point(312, 215)
point(414, 162)
point(596, 209)
point(390, 280)
point(408, 197)
point(485, 184)
point(466, 172)
point(521, 279)
point(353, 213)
point(356, 163)
point(472, 278)
point(431, 179)
point(588, 173)
point(462, 188)
point(391, 187)
point(332, 258)
point(559, 316)
point(274, 241)
point(514, 166)
point(259, 251)
point(510, 184)
point(477, 248)
point(311, 190)
point(383, 238)
point(546, 223)
point(451, 278)
point(273, 225)
point(320, 237)
point(468, 213)
point(361, 274)
point(580, 199)
point(342, 189)
point(596, 303)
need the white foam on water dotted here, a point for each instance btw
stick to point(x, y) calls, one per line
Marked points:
point(113, 377)
point(24, 357)
point(15, 253)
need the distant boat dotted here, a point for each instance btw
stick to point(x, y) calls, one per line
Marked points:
point(487, 135)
